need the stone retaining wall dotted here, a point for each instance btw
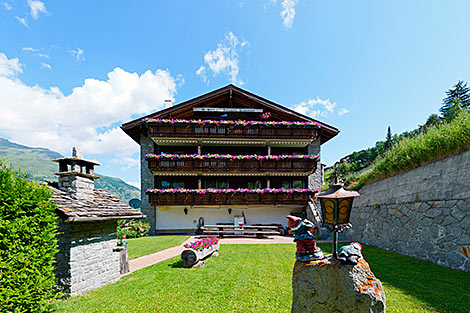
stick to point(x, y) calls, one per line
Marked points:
point(86, 259)
point(424, 213)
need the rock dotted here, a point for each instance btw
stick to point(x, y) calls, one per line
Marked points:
point(326, 286)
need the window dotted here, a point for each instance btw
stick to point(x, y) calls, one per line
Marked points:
point(254, 184)
point(292, 184)
point(218, 184)
point(169, 183)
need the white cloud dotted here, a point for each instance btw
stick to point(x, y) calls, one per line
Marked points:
point(45, 65)
point(78, 54)
point(36, 8)
point(134, 183)
point(29, 49)
point(224, 59)
point(22, 20)
point(9, 67)
point(7, 6)
point(313, 107)
point(288, 12)
point(202, 72)
point(36, 52)
point(89, 117)
point(342, 111)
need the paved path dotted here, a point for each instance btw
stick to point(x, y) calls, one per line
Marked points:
point(150, 259)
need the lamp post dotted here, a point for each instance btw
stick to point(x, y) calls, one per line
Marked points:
point(336, 204)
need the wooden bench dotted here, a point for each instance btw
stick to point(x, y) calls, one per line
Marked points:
point(245, 230)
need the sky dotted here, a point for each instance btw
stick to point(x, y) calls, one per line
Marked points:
point(71, 72)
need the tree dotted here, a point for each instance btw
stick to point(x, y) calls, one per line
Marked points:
point(457, 98)
point(388, 140)
point(432, 120)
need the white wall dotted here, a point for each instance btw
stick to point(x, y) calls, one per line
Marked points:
point(174, 217)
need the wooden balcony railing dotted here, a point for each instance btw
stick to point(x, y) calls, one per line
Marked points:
point(155, 129)
point(229, 198)
point(235, 165)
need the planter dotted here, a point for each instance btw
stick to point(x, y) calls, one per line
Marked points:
point(192, 258)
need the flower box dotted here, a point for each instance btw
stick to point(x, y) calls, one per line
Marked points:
point(252, 197)
point(267, 197)
point(237, 198)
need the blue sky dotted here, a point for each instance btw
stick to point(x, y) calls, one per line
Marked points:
point(72, 71)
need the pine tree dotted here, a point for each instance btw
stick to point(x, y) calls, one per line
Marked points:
point(432, 120)
point(388, 140)
point(457, 98)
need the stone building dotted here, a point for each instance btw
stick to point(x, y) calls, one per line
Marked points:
point(226, 155)
point(88, 256)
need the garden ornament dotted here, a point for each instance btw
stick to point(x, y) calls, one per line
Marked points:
point(303, 230)
point(350, 254)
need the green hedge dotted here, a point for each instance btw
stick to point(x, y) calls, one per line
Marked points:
point(436, 143)
point(28, 244)
point(132, 228)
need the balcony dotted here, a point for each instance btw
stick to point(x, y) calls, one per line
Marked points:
point(268, 196)
point(166, 128)
point(232, 163)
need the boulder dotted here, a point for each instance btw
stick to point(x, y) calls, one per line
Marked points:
point(326, 286)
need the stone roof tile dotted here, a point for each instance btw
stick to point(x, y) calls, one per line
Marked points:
point(104, 206)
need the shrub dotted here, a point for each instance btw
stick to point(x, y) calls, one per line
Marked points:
point(28, 243)
point(436, 143)
point(132, 228)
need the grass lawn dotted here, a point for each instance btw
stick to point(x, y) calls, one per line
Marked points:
point(145, 245)
point(257, 278)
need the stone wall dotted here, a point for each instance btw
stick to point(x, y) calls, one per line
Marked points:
point(314, 181)
point(147, 181)
point(86, 259)
point(424, 213)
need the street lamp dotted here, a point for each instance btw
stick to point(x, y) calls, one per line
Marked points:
point(336, 204)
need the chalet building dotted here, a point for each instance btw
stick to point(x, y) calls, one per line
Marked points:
point(225, 155)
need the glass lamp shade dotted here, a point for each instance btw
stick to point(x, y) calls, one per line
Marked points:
point(336, 204)
point(336, 211)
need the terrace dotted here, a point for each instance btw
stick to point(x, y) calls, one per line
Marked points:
point(306, 164)
point(272, 196)
point(168, 128)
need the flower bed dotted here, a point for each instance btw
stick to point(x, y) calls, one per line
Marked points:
point(232, 157)
point(203, 244)
point(230, 122)
point(197, 251)
point(228, 190)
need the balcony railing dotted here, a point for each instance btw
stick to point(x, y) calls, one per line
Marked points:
point(232, 163)
point(158, 197)
point(232, 129)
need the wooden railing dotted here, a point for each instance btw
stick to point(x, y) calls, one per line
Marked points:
point(236, 198)
point(227, 165)
point(224, 131)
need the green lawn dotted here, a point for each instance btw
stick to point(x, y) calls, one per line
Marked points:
point(257, 278)
point(146, 245)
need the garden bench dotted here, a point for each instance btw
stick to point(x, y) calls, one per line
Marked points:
point(245, 230)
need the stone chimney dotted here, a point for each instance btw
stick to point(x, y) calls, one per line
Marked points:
point(77, 175)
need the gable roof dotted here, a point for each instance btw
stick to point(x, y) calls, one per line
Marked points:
point(136, 127)
point(104, 206)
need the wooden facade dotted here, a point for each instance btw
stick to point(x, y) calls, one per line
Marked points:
point(271, 147)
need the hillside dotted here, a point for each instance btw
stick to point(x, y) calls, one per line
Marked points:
point(36, 162)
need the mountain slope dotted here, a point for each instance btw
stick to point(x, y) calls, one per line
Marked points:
point(36, 162)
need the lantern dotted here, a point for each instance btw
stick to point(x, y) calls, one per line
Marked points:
point(336, 204)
